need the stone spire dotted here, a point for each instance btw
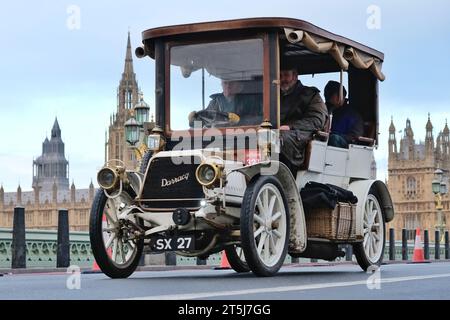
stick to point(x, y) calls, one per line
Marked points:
point(446, 142)
point(45, 145)
point(72, 192)
point(407, 144)
point(392, 126)
point(128, 91)
point(19, 195)
point(392, 140)
point(128, 58)
point(429, 125)
point(429, 140)
point(56, 131)
point(91, 190)
point(408, 130)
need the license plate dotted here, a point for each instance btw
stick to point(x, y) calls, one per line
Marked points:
point(172, 243)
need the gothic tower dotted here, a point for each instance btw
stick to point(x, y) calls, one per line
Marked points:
point(392, 142)
point(407, 143)
point(446, 147)
point(51, 167)
point(127, 98)
point(411, 172)
point(429, 140)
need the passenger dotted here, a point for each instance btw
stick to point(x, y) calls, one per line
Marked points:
point(302, 113)
point(346, 124)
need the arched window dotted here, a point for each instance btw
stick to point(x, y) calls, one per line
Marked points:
point(411, 186)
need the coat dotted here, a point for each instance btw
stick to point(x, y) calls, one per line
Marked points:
point(248, 107)
point(346, 122)
point(304, 111)
point(302, 108)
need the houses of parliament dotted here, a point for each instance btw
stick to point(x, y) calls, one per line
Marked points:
point(411, 171)
point(51, 187)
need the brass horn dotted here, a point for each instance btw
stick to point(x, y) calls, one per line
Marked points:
point(140, 52)
point(293, 36)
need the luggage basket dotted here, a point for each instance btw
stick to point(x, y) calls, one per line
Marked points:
point(332, 224)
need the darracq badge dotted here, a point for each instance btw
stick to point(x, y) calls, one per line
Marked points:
point(169, 182)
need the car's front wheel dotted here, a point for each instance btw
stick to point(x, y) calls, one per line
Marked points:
point(264, 226)
point(113, 241)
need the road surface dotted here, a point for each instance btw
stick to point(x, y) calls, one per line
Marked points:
point(394, 281)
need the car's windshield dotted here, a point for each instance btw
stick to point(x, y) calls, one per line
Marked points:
point(216, 84)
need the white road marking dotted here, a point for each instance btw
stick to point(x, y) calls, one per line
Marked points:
point(200, 295)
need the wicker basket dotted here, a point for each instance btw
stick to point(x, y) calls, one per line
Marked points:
point(337, 224)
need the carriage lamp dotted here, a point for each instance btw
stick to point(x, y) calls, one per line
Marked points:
point(156, 140)
point(208, 174)
point(265, 139)
point(132, 130)
point(142, 111)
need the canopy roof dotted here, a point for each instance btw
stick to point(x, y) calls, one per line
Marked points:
point(297, 32)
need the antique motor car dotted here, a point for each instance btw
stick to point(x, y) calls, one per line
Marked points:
point(212, 179)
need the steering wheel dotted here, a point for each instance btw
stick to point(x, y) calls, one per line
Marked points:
point(211, 118)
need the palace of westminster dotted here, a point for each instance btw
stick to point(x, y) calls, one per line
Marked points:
point(411, 172)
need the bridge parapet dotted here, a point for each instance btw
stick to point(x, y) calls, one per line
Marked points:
point(41, 246)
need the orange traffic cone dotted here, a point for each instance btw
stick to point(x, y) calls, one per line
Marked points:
point(224, 264)
point(95, 266)
point(418, 256)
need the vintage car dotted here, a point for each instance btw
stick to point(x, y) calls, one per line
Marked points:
point(212, 179)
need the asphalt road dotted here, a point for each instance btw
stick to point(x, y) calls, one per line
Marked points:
point(392, 282)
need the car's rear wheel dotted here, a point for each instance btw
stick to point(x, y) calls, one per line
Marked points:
point(116, 249)
point(236, 258)
point(370, 252)
point(264, 226)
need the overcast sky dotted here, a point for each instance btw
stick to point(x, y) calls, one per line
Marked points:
point(50, 67)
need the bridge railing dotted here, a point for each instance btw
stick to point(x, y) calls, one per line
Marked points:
point(21, 248)
point(41, 248)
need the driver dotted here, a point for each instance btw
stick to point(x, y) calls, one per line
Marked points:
point(234, 102)
point(228, 100)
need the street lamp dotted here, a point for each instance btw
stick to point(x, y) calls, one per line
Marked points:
point(136, 127)
point(440, 189)
point(132, 131)
point(444, 188)
point(142, 110)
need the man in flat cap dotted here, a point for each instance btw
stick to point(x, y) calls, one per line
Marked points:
point(302, 113)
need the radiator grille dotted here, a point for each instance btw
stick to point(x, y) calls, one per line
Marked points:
point(169, 185)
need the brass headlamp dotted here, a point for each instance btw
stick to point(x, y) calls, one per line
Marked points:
point(109, 177)
point(208, 174)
